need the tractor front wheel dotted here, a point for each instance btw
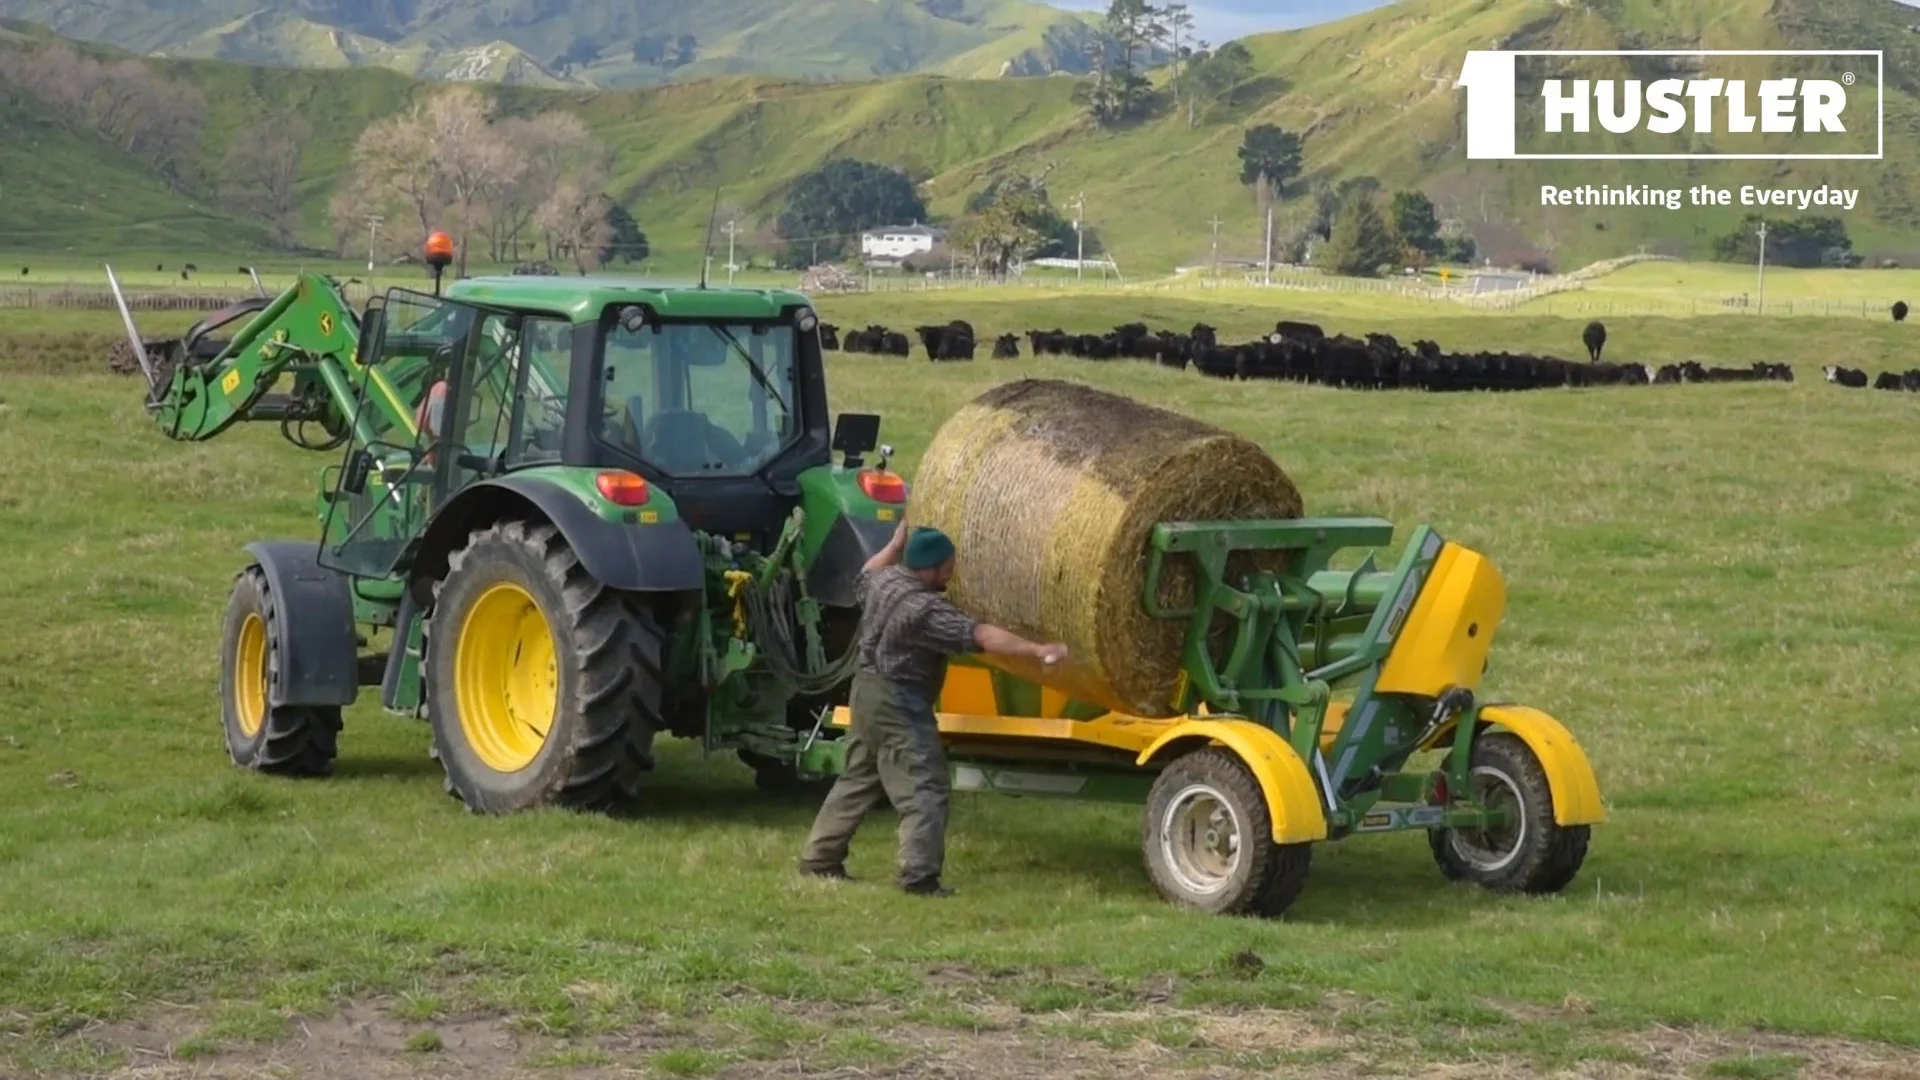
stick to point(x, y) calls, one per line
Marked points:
point(286, 740)
point(543, 686)
point(1529, 852)
point(1208, 840)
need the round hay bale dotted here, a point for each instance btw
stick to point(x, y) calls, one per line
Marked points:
point(1050, 489)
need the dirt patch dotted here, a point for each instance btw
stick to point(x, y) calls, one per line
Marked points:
point(368, 1041)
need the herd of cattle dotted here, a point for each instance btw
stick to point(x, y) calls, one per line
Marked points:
point(1302, 352)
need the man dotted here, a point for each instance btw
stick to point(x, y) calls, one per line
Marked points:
point(908, 632)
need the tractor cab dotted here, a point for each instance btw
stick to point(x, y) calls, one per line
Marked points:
point(722, 408)
point(715, 396)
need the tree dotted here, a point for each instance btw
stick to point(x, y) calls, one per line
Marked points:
point(1362, 241)
point(1327, 198)
point(261, 168)
point(446, 163)
point(1120, 91)
point(1177, 34)
point(1802, 242)
point(628, 243)
point(833, 203)
point(1057, 235)
point(1417, 223)
point(552, 146)
point(576, 220)
point(1002, 233)
point(1213, 78)
point(684, 49)
point(1266, 151)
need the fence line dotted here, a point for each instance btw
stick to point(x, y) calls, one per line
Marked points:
point(1562, 295)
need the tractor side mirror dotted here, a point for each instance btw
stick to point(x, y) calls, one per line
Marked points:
point(354, 480)
point(886, 455)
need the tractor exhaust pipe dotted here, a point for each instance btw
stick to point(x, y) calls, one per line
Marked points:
point(133, 336)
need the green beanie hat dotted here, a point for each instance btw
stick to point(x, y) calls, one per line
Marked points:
point(926, 549)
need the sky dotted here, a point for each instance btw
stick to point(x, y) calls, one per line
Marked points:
point(1223, 20)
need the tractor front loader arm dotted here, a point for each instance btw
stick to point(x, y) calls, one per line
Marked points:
point(199, 386)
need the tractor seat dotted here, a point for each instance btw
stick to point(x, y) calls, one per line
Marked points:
point(683, 441)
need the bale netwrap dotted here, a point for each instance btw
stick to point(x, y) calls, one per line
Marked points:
point(1049, 489)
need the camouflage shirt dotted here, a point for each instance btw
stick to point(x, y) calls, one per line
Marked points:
point(909, 630)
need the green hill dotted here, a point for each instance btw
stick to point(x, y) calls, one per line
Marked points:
point(1372, 94)
point(606, 43)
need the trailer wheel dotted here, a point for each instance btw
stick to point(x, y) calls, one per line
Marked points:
point(290, 740)
point(543, 686)
point(1208, 840)
point(1530, 854)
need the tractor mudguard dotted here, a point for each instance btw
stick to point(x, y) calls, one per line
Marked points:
point(661, 557)
point(834, 578)
point(1292, 799)
point(1570, 776)
point(319, 653)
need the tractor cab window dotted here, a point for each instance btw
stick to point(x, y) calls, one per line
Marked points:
point(701, 398)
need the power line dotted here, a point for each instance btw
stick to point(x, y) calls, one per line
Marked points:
point(1216, 245)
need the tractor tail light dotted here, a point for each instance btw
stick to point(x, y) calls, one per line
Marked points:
point(623, 488)
point(883, 487)
point(1440, 792)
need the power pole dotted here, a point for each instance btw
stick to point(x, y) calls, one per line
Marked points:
point(374, 221)
point(1269, 244)
point(732, 231)
point(1079, 237)
point(1216, 245)
point(1762, 307)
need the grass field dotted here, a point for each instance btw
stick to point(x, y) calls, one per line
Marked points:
point(1707, 583)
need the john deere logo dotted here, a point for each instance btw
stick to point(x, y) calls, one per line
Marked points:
point(326, 324)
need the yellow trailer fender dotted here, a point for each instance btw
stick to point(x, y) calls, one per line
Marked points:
point(1576, 791)
point(1292, 799)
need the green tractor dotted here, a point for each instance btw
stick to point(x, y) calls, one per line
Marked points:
point(580, 513)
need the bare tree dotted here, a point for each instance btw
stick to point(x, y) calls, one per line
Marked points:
point(550, 146)
point(261, 169)
point(575, 220)
point(473, 163)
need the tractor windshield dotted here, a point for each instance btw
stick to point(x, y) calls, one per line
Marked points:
point(701, 398)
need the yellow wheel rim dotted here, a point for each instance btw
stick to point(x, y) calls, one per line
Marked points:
point(250, 676)
point(506, 688)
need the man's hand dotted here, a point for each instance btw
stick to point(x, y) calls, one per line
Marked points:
point(1051, 654)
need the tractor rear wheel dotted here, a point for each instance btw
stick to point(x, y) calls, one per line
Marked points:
point(1208, 840)
point(543, 686)
point(288, 740)
point(1530, 853)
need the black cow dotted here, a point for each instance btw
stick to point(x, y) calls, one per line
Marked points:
point(829, 337)
point(1006, 347)
point(1899, 311)
point(1852, 378)
point(1595, 338)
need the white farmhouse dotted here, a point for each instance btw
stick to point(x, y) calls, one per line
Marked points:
point(899, 241)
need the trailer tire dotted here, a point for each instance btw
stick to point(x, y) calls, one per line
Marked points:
point(1542, 856)
point(1257, 877)
point(288, 740)
point(523, 640)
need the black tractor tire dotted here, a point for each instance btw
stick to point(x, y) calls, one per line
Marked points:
point(598, 689)
point(1256, 877)
point(1538, 855)
point(290, 740)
